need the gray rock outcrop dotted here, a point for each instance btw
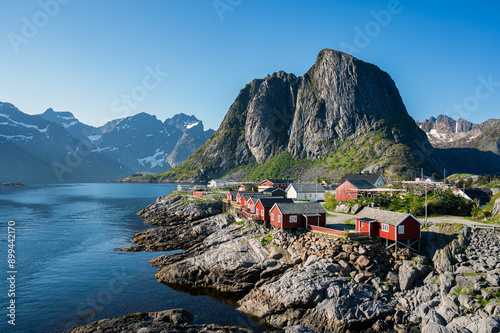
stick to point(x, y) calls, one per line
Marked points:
point(496, 208)
point(175, 321)
point(168, 210)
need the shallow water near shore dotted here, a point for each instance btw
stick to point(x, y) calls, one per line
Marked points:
point(67, 272)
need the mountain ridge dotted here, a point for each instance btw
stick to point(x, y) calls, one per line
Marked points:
point(63, 148)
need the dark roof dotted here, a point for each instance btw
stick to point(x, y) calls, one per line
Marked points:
point(371, 177)
point(382, 216)
point(478, 194)
point(361, 184)
point(244, 192)
point(366, 219)
point(247, 184)
point(268, 202)
point(233, 193)
point(254, 195)
point(308, 188)
point(301, 208)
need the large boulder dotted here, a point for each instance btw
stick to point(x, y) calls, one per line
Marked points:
point(496, 208)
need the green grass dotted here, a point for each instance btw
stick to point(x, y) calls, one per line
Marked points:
point(266, 240)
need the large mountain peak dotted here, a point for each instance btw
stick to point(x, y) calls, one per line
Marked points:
point(339, 99)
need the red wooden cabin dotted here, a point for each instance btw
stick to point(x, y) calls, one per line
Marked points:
point(264, 205)
point(348, 190)
point(276, 183)
point(250, 187)
point(388, 225)
point(199, 193)
point(231, 195)
point(297, 215)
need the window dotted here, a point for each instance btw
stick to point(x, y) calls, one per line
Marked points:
point(361, 224)
point(385, 227)
point(293, 218)
point(279, 218)
point(272, 216)
point(401, 229)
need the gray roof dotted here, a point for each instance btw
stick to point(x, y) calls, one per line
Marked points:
point(361, 184)
point(271, 190)
point(254, 195)
point(371, 177)
point(308, 188)
point(301, 208)
point(268, 202)
point(382, 216)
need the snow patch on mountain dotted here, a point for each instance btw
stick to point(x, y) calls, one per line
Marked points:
point(70, 124)
point(16, 137)
point(191, 125)
point(94, 137)
point(106, 149)
point(43, 130)
point(155, 160)
point(65, 118)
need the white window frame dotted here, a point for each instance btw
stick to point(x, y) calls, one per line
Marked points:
point(293, 218)
point(401, 230)
point(385, 227)
point(272, 216)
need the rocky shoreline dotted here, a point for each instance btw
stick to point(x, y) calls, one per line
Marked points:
point(309, 281)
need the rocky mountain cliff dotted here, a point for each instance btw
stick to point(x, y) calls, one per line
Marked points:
point(55, 146)
point(342, 115)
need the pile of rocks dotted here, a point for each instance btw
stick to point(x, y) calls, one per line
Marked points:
point(464, 299)
point(314, 295)
point(361, 261)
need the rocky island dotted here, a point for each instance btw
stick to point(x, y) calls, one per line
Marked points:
point(308, 281)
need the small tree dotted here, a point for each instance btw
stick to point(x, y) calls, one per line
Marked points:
point(475, 208)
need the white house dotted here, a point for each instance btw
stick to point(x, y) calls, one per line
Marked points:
point(219, 183)
point(307, 192)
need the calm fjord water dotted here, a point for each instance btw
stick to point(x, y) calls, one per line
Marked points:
point(67, 271)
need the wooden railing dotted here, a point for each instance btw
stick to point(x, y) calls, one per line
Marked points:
point(249, 215)
point(338, 233)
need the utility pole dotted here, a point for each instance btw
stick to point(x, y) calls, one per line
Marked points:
point(422, 174)
point(425, 204)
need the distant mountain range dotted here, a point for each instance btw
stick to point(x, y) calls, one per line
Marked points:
point(445, 132)
point(464, 146)
point(55, 146)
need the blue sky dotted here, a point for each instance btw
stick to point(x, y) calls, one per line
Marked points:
point(194, 56)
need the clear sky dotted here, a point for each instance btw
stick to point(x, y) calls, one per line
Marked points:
point(193, 56)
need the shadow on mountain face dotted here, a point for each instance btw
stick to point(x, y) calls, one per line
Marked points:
point(469, 160)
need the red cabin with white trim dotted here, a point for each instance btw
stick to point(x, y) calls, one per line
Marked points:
point(388, 225)
point(297, 215)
